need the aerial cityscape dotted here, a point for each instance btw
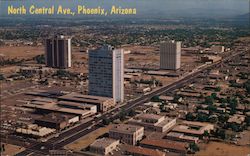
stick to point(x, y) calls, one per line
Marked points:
point(126, 86)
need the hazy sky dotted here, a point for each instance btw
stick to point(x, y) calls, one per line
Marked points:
point(178, 8)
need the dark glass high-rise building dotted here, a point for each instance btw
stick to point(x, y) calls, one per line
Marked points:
point(58, 52)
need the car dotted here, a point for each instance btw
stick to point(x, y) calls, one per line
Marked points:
point(89, 127)
point(43, 140)
point(42, 148)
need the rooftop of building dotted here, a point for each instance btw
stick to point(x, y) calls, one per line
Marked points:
point(151, 119)
point(33, 129)
point(181, 135)
point(76, 104)
point(60, 36)
point(55, 108)
point(236, 119)
point(44, 93)
point(46, 100)
point(165, 144)
point(143, 151)
point(193, 127)
point(84, 98)
point(126, 128)
point(103, 142)
point(55, 117)
point(168, 98)
point(164, 122)
point(150, 116)
point(170, 41)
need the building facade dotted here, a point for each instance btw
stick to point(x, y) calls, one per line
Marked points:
point(153, 122)
point(58, 52)
point(84, 101)
point(170, 55)
point(106, 73)
point(103, 146)
point(129, 134)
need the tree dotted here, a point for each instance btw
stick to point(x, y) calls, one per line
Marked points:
point(209, 100)
point(223, 101)
point(176, 98)
point(213, 119)
point(247, 86)
point(156, 99)
point(223, 118)
point(2, 148)
point(206, 134)
point(190, 116)
point(220, 133)
point(214, 95)
point(2, 77)
point(122, 115)
point(247, 120)
point(211, 108)
point(40, 59)
point(234, 127)
point(202, 117)
point(217, 89)
point(106, 121)
point(132, 112)
point(233, 104)
point(194, 147)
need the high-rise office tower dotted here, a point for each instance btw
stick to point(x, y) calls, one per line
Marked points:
point(106, 73)
point(170, 55)
point(58, 52)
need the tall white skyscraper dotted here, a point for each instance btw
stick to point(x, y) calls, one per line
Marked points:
point(106, 73)
point(170, 55)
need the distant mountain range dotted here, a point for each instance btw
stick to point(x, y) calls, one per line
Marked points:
point(244, 16)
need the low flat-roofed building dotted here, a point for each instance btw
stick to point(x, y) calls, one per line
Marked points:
point(103, 103)
point(53, 107)
point(163, 145)
point(140, 151)
point(35, 131)
point(128, 77)
point(44, 93)
point(56, 120)
point(35, 69)
point(131, 70)
point(76, 105)
point(237, 119)
point(193, 128)
point(61, 152)
point(158, 73)
point(152, 104)
point(129, 134)
point(104, 146)
point(217, 48)
point(181, 137)
point(137, 75)
point(210, 58)
point(170, 106)
point(41, 101)
point(189, 94)
point(166, 98)
point(153, 122)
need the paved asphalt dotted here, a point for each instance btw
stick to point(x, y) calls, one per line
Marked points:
point(85, 128)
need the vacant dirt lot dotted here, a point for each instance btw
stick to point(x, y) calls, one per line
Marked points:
point(12, 150)
point(21, 52)
point(88, 139)
point(223, 149)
